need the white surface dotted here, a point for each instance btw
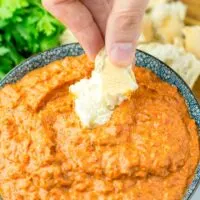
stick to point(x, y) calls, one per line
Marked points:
point(196, 195)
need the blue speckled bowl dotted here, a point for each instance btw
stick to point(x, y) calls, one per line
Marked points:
point(143, 59)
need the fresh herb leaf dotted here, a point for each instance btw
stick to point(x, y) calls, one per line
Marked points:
point(3, 51)
point(26, 28)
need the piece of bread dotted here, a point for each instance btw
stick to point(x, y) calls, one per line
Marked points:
point(108, 87)
point(184, 63)
point(192, 40)
point(168, 21)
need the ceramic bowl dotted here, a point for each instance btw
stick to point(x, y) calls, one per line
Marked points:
point(142, 59)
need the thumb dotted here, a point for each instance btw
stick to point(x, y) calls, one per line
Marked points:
point(123, 29)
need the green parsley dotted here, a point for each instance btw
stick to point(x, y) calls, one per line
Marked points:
point(26, 28)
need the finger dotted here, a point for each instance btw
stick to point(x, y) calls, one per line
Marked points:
point(77, 17)
point(100, 10)
point(123, 30)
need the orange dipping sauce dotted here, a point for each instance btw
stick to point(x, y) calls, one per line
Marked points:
point(148, 150)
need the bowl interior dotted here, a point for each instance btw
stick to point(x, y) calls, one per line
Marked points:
point(142, 59)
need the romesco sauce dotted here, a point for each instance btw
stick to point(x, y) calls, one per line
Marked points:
point(148, 150)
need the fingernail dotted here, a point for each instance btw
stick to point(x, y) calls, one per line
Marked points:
point(122, 54)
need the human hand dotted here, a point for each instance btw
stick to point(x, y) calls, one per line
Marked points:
point(95, 23)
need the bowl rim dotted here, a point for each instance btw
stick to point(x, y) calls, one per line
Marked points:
point(189, 191)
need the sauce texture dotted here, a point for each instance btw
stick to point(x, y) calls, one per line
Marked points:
point(148, 150)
